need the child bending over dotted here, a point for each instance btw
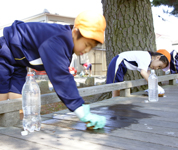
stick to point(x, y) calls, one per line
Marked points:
point(141, 61)
point(49, 47)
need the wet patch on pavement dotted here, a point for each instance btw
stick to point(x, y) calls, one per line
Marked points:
point(117, 116)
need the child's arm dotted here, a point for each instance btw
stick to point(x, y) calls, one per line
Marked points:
point(55, 56)
point(145, 74)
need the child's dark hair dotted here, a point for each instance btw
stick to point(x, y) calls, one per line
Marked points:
point(71, 26)
point(162, 58)
point(79, 35)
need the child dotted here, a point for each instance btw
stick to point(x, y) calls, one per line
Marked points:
point(136, 60)
point(49, 47)
point(88, 66)
point(174, 62)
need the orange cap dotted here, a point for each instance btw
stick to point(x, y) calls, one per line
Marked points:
point(167, 55)
point(91, 25)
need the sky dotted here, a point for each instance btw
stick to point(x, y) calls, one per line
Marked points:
point(166, 24)
point(11, 10)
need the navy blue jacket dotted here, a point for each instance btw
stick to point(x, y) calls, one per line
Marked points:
point(49, 47)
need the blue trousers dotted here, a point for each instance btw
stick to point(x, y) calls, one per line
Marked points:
point(12, 76)
point(116, 70)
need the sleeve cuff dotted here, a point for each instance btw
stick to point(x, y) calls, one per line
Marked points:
point(79, 112)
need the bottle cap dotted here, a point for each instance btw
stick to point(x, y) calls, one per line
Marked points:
point(30, 74)
point(152, 71)
point(23, 133)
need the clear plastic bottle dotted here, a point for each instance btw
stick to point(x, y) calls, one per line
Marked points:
point(153, 87)
point(31, 104)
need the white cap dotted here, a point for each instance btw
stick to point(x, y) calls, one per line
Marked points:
point(152, 71)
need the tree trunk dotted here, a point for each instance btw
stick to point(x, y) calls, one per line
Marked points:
point(129, 27)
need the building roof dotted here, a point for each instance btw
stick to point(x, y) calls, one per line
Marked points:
point(44, 14)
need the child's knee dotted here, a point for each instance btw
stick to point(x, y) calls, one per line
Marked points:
point(3, 97)
point(12, 95)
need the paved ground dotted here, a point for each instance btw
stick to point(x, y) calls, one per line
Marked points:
point(132, 124)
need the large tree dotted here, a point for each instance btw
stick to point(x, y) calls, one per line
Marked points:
point(129, 27)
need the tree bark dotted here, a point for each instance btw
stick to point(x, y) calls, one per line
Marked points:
point(129, 27)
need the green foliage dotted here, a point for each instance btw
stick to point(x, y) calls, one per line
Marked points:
point(169, 3)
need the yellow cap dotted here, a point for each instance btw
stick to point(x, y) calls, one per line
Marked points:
point(91, 25)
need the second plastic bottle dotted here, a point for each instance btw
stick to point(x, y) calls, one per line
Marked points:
point(153, 87)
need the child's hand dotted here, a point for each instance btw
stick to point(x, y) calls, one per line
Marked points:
point(160, 90)
point(93, 119)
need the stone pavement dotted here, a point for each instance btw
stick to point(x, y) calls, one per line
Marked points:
point(133, 123)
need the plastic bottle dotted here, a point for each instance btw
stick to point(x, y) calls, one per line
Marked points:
point(31, 104)
point(153, 87)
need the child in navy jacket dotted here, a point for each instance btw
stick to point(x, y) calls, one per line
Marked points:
point(49, 47)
